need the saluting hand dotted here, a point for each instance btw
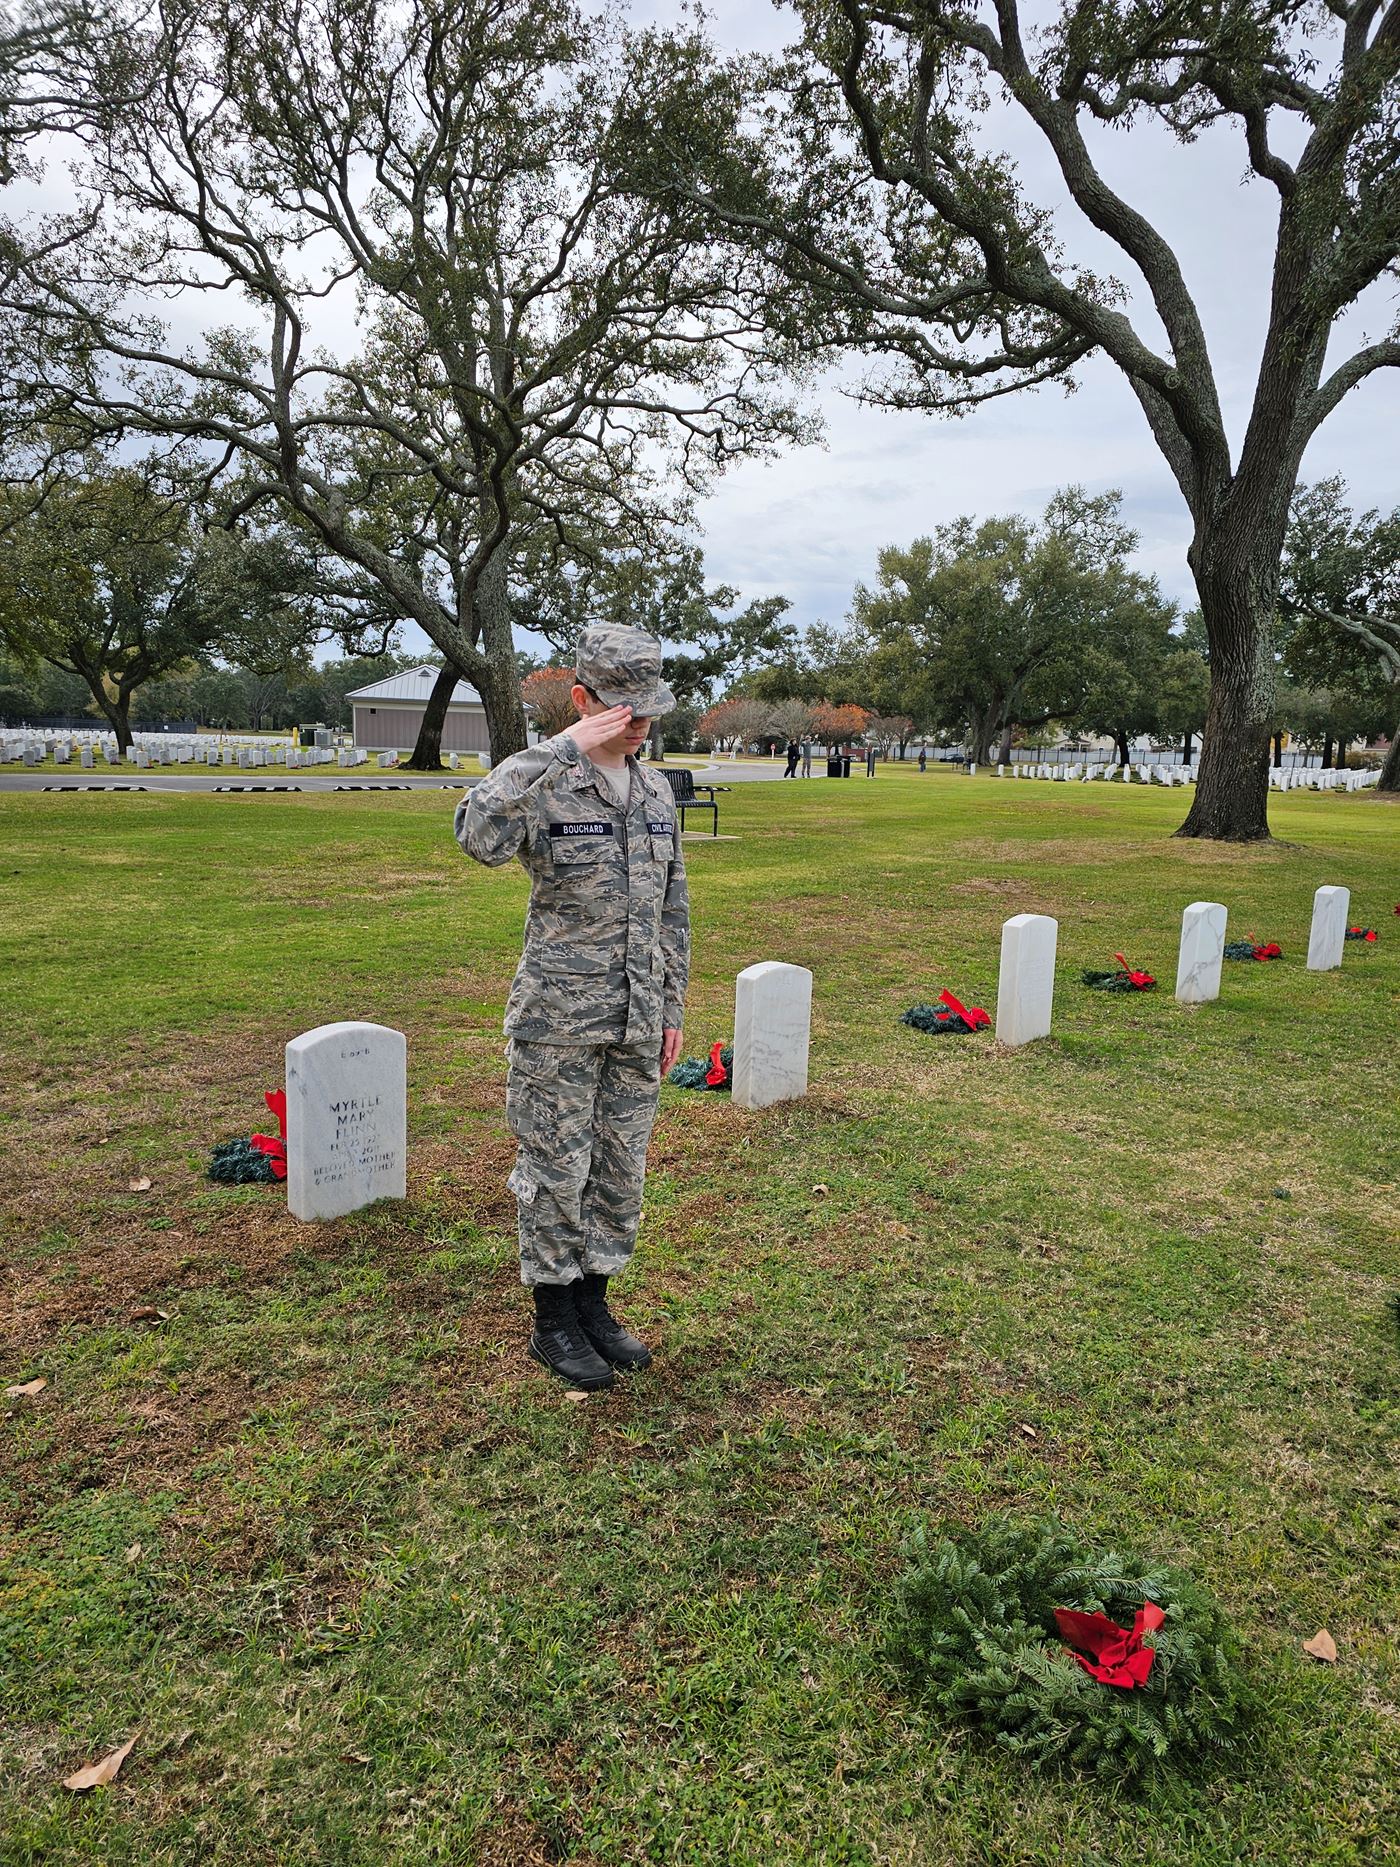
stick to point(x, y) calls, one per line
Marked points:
point(588, 734)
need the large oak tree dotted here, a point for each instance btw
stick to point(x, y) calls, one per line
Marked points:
point(538, 346)
point(875, 180)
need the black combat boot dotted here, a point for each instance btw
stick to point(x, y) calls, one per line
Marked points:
point(603, 1329)
point(559, 1342)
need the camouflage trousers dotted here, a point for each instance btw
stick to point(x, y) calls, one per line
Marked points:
point(582, 1114)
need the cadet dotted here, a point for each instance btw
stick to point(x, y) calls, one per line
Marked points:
point(594, 1015)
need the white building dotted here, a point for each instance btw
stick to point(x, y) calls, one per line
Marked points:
point(388, 713)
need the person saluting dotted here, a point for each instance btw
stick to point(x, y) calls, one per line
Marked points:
point(595, 1012)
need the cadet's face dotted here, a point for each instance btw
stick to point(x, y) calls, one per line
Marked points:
point(633, 735)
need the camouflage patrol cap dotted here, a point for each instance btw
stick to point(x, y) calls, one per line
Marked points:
point(623, 667)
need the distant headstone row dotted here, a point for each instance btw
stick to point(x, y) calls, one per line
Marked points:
point(155, 749)
point(1295, 778)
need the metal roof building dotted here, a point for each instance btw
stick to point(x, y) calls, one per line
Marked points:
point(388, 713)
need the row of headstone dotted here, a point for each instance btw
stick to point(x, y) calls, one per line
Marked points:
point(1167, 775)
point(1302, 778)
point(1025, 988)
point(154, 749)
point(347, 1083)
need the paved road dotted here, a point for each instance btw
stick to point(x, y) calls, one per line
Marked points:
point(741, 771)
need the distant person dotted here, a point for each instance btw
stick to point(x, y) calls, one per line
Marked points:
point(793, 753)
point(806, 758)
point(923, 758)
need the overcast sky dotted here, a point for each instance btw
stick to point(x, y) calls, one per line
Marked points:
point(809, 525)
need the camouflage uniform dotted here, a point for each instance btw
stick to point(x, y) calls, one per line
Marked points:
point(604, 970)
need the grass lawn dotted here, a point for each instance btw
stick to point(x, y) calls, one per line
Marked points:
point(367, 1588)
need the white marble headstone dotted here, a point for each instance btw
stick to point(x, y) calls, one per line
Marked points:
point(1026, 985)
point(1327, 941)
point(772, 1029)
point(1202, 953)
point(347, 1095)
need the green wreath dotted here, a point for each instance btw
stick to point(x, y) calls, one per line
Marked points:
point(975, 1634)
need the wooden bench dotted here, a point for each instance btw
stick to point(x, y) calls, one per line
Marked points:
point(682, 783)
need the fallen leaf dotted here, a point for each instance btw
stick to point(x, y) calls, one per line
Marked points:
point(149, 1313)
point(26, 1389)
point(1322, 1646)
point(141, 1184)
point(98, 1773)
point(1029, 1431)
point(821, 1191)
point(575, 1393)
point(356, 1756)
point(133, 1554)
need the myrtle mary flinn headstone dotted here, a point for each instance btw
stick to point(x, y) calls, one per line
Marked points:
point(347, 1118)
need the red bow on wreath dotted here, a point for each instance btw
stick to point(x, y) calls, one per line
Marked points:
point(1141, 981)
point(1364, 933)
point(716, 1076)
point(973, 1017)
point(1119, 1657)
point(1272, 951)
point(274, 1146)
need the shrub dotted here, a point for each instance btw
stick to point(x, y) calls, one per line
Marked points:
point(975, 1634)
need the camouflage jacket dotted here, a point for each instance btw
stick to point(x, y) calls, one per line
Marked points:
point(607, 931)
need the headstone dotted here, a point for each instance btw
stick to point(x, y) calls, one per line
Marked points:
point(142, 758)
point(1026, 987)
point(772, 1029)
point(1329, 928)
point(1202, 953)
point(347, 1093)
point(33, 755)
point(388, 760)
point(85, 757)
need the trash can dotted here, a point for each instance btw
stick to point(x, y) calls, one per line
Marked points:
point(846, 766)
point(838, 767)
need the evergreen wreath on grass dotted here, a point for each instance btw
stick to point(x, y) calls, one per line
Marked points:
point(947, 1015)
point(696, 1073)
point(975, 1633)
point(1122, 979)
point(261, 1158)
point(1250, 949)
point(1368, 934)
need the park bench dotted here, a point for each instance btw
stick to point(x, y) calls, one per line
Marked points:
point(682, 783)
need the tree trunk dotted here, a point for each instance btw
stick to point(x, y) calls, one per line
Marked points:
point(1238, 585)
point(499, 685)
point(427, 751)
point(1187, 741)
point(1390, 770)
point(1341, 755)
point(117, 714)
point(1004, 755)
point(505, 715)
point(1327, 751)
point(658, 750)
point(1124, 755)
point(1276, 750)
point(985, 731)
